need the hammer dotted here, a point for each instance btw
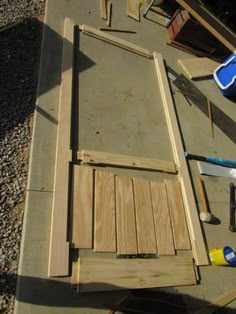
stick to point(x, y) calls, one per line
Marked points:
point(205, 215)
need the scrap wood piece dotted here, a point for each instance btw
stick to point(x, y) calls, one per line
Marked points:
point(100, 274)
point(103, 9)
point(198, 67)
point(59, 247)
point(144, 217)
point(109, 12)
point(125, 216)
point(177, 215)
point(163, 231)
point(82, 218)
point(104, 212)
point(210, 23)
point(133, 9)
point(196, 236)
point(115, 41)
point(95, 157)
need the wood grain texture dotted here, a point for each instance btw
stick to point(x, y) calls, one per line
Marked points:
point(115, 41)
point(82, 219)
point(103, 9)
point(196, 236)
point(144, 217)
point(133, 9)
point(59, 247)
point(177, 215)
point(198, 67)
point(163, 229)
point(104, 220)
point(95, 157)
point(109, 10)
point(125, 216)
point(113, 274)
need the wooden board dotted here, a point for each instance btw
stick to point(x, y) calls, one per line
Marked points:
point(177, 215)
point(125, 216)
point(163, 230)
point(82, 219)
point(113, 274)
point(198, 67)
point(103, 9)
point(133, 9)
point(115, 41)
point(95, 157)
point(210, 23)
point(144, 217)
point(109, 10)
point(59, 247)
point(104, 207)
point(196, 236)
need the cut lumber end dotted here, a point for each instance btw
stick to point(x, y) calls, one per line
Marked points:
point(59, 261)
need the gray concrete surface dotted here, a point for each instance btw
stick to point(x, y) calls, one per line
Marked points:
point(119, 111)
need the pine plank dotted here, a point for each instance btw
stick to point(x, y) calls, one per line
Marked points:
point(59, 247)
point(113, 274)
point(198, 67)
point(125, 216)
point(178, 221)
point(133, 9)
point(104, 220)
point(90, 31)
point(163, 230)
point(96, 157)
point(82, 207)
point(103, 9)
point(197, 241)
point(144, 217)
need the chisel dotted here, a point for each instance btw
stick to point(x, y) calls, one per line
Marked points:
point(214, 160)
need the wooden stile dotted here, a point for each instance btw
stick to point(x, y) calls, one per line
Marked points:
point(196, 236)
point(144, 217)
point(104, 212)
point(163, 230)
point(95, 157)
point(177, 215)
point(113, 274)
point(125, 216)
point(59, 247)
point(82, 219)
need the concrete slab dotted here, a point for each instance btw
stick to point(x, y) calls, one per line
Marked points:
point(119, 111)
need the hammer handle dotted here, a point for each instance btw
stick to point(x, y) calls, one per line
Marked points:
point(203, 194)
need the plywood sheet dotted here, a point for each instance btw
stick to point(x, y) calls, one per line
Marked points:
point(198, 67)
point(144, 217)
point(104, 207)
point(163, 229)
point(113, 274)
point(82, 219)
point(178, 221)
point(125, 216)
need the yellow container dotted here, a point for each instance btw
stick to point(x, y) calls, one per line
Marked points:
point(222, 256)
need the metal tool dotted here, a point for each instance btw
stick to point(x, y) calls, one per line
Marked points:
point(232, 205)
point(214, 160)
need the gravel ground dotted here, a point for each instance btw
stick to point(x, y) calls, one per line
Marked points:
point(19, 62)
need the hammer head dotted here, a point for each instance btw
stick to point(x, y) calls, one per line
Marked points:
point(206, 217)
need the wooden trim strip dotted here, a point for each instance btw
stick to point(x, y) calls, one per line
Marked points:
point(59, 247)
point(103, 9)
point(100, 274)
point(115, 41)
point(196, 236)
point(95, 157)
point(210, 23)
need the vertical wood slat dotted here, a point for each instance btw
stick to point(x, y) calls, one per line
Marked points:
point(164, 237)
point(104, 212)
point(144, 217)
point(133, 9)
point(59, 247)
point(103, 9)
point(125, 216)
point(82, 218)
point(177, 214)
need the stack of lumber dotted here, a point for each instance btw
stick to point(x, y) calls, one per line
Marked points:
point(127, 215)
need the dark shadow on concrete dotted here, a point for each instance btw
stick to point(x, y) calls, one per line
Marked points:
point(54, 293)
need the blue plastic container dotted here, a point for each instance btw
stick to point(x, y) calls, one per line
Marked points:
point(225, 76)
